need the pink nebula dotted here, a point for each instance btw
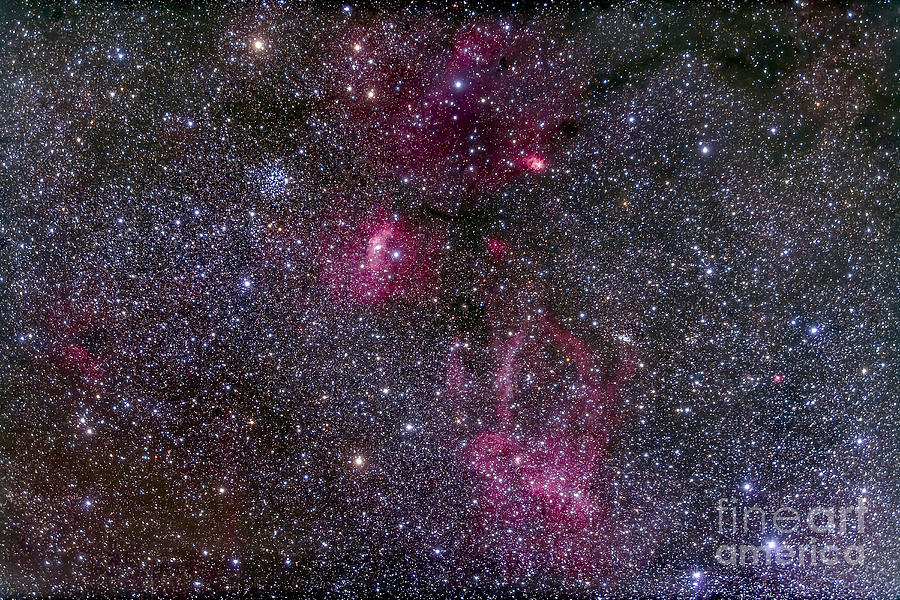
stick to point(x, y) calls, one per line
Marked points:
point(378, 258)
point(534, 163)
point(539, 467)
point(497, 247)
point(82, 362)
point(469, 114)
point(78, 335)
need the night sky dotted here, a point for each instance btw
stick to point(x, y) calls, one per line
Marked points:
point(449, 299)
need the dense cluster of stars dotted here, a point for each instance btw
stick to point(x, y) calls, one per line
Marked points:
point(444, 300)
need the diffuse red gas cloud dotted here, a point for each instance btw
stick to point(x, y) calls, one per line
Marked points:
point(464, 112)
point(378, 257)
point(460, 115)
point(456, 114)
point(78, 335)
point(538, 465)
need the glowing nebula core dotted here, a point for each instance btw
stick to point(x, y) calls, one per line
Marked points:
point(379, 257)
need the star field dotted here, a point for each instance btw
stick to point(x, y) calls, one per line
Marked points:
point(446, 300)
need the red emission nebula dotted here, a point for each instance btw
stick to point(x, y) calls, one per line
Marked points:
point(378, 257)
point(467, 118)
point(538, 463)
